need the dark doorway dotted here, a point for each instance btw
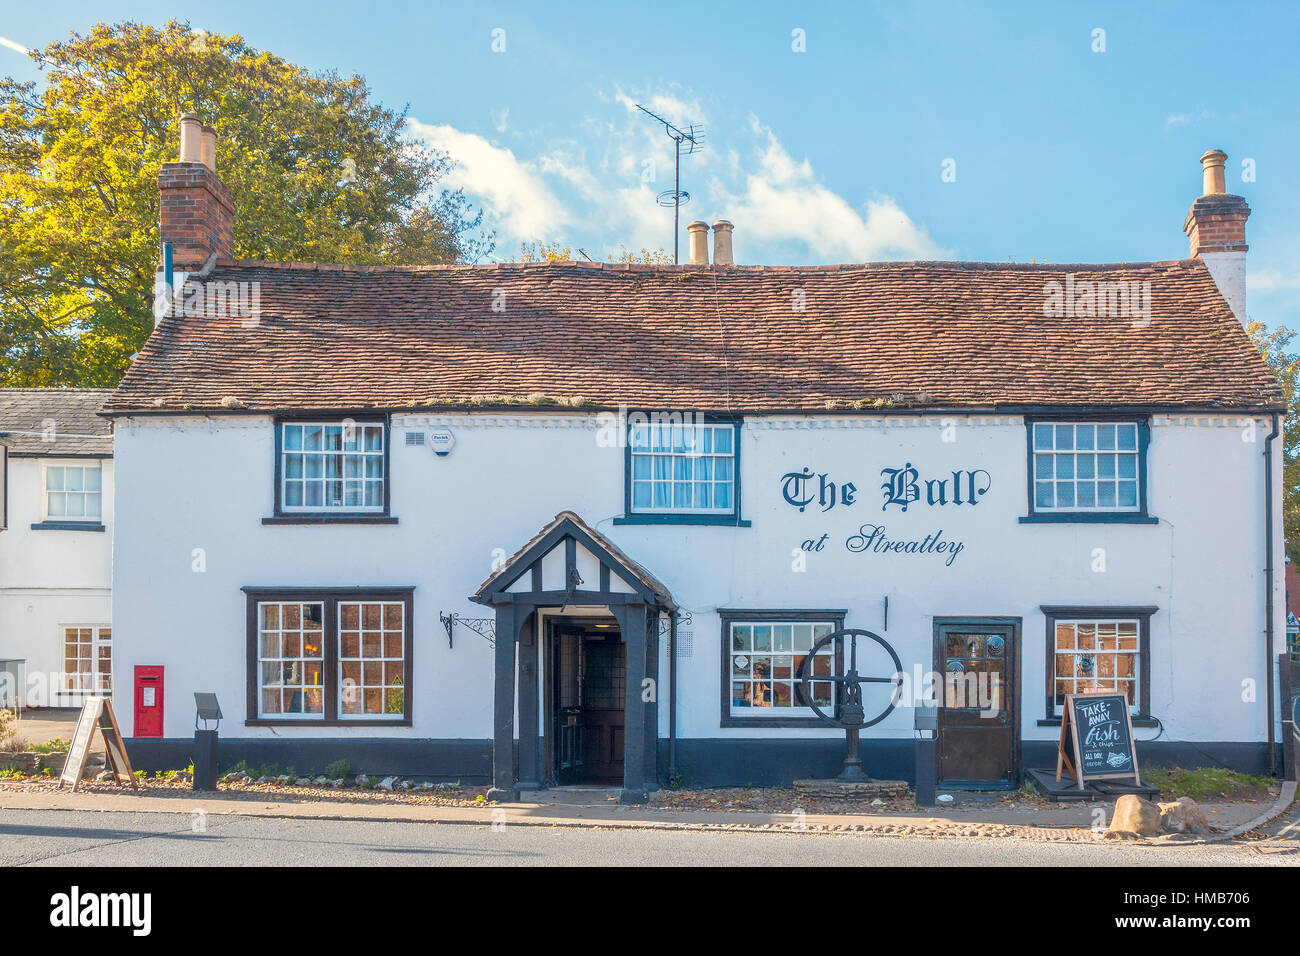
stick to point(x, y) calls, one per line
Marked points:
point(979, 703)
point(586, 698)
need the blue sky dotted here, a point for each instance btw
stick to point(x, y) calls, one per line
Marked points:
point(834, 154)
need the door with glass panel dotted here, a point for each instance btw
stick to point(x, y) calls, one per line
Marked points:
point(565, 697)
point(977, 662)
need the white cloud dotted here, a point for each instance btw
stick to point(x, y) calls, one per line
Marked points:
point(1268, 281)
point(598, 193)
point(518, 200)
point(16, 47)
point(1176, 120)
point(499, 119)
point(783, 201)
point(679, 110)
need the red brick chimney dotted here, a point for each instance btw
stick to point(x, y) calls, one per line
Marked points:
point(1216, 229)
point(195, 211)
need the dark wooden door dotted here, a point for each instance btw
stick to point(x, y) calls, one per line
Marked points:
point(566, 697)
point(604, 682)
point(979, 742)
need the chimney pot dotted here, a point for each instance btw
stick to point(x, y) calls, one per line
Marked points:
point(699, 232)
point(191, 138)
point(722, 243)
point(196, 214)
point(209, 148)
point(1212, 163)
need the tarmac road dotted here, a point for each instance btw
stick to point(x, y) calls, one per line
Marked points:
point(86, 838)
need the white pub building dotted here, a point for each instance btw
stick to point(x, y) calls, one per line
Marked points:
point(556, 523)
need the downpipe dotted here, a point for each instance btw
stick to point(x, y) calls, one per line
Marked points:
point(1268, 591)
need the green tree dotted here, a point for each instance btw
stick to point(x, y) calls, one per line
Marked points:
point(1275, 347)
point(554, 252)
point(318, 170)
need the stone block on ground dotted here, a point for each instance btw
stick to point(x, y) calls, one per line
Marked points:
point(1133, 817)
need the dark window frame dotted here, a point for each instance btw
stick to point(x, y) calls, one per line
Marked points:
point(329, 599)
point(1053, 613)
point(730, 519)
point(728, 616)
point(331, 516)
point(1140, 516)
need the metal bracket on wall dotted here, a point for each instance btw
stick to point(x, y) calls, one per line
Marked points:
point(666, 622)
point(485, 627)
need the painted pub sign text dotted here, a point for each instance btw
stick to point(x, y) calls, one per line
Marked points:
point(902, 488)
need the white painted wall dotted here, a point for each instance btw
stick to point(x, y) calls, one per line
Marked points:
point(206, 484)
point(49, 579)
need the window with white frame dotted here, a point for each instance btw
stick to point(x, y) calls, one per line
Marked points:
point(1086, 467)
point(683, 468)
point(763, 662)
point(332, 466)
point(88, 659)
point(291, 659)
point(1096, 655)
point(372, 658)
point(73, 491)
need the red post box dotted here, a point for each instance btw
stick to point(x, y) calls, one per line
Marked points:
point(149, 700)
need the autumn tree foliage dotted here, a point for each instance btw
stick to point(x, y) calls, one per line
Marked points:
point(318, 170)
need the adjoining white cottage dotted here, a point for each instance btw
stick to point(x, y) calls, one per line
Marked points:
point(552, 523)
point(56, 547)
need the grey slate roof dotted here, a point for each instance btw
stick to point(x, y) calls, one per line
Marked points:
point(67, 414)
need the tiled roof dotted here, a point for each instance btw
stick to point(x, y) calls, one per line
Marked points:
point(55, 421)
point(916, 334)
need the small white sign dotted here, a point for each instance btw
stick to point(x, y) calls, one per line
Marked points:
point(149, 696)
point(442, 441)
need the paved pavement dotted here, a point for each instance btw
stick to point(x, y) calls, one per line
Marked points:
point(45, 723)
point(1063, 821)
point(82, 838)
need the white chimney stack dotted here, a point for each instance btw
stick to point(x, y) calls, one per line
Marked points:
point(1216, 229)
point(722, 243)
point(699, 232)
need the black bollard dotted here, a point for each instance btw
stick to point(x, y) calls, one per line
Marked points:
point(926, 724)
point(207, 710)
point(205, 760)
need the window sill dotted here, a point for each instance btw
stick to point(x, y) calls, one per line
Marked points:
point(724, 521)
point(1137, 722)
point(330, 519)
point(265, 722)
point(67, 526)
point(1088, 517)
point(773, 722)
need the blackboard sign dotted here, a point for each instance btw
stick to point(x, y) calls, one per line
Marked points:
point(1097, 738)
point(97, 714)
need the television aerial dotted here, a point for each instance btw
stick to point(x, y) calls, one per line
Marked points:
point(693, 138)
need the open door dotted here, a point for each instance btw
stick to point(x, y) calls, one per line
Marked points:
point(586, 702)
point(566, 717)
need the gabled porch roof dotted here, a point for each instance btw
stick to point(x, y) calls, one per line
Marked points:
point(555, 558)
